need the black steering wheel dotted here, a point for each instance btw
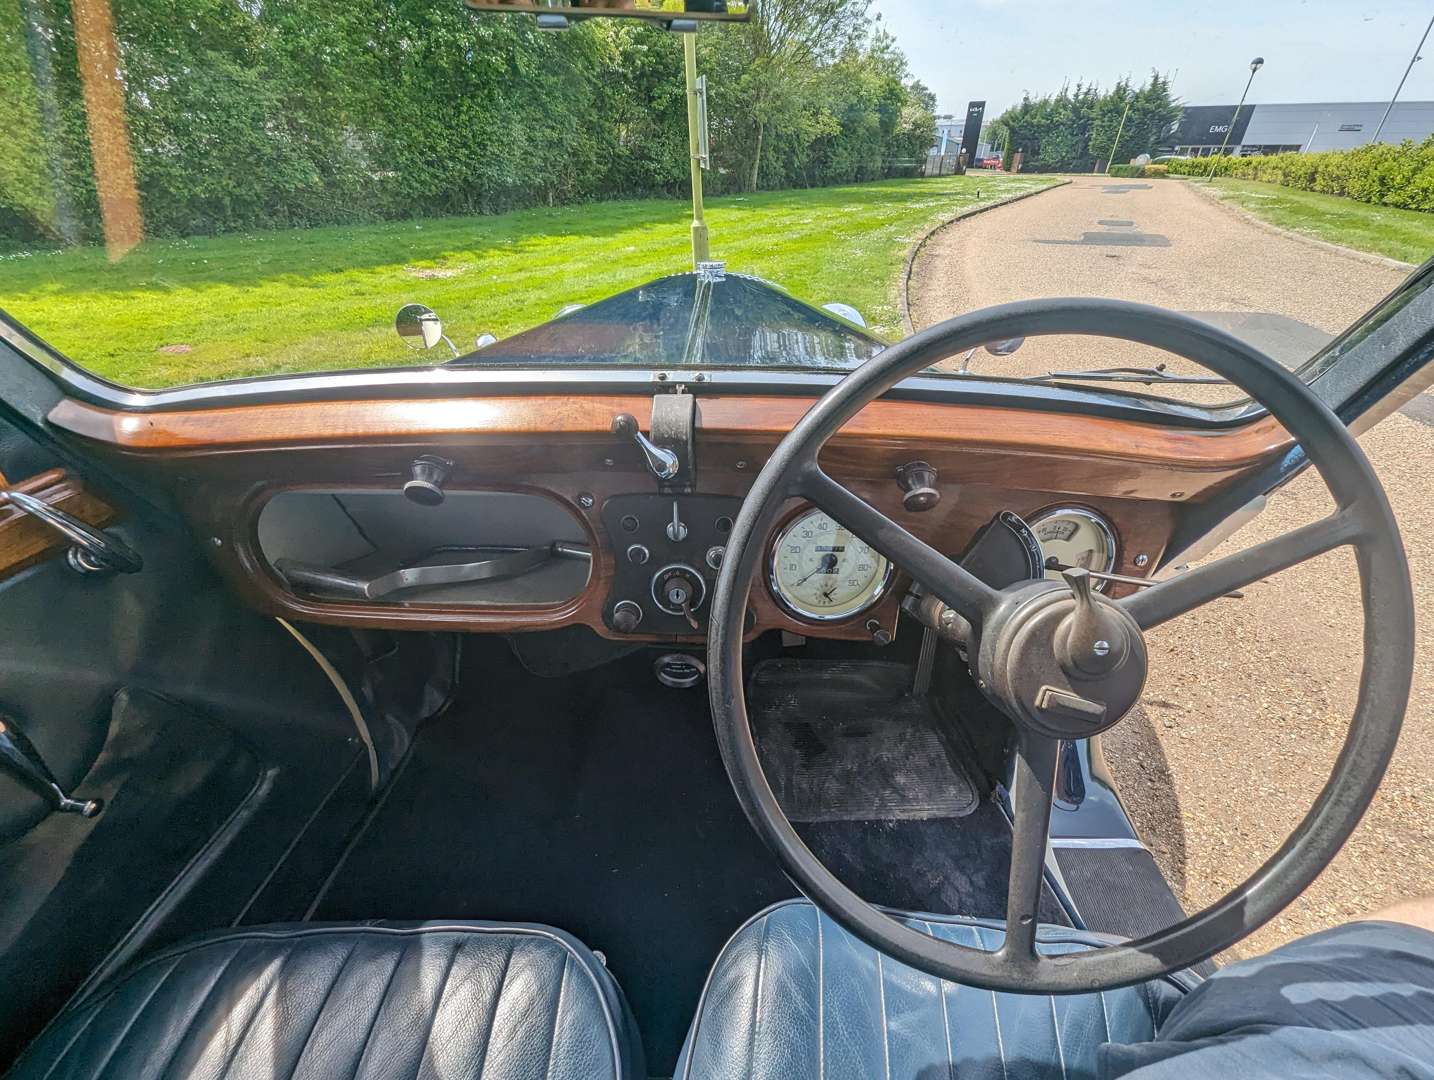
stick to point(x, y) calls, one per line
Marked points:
point(1064, 663)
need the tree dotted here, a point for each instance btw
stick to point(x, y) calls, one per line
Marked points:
point(292, 113)
point(782, 49)
point(1074, 130)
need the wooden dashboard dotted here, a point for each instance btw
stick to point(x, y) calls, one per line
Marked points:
point(224, 464)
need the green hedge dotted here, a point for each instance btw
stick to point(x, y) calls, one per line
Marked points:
point(248, 114)
point(1383, 174)
point(1125, 170)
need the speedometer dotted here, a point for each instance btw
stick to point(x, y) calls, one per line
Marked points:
point(822, 571)
point(1074, 536)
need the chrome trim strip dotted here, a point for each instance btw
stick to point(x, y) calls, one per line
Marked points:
point(1100, 843)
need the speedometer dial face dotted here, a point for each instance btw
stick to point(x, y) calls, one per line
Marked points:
point(1074, 536)
point(822, 571)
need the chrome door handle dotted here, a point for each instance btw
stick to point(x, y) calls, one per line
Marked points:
point(91, 551)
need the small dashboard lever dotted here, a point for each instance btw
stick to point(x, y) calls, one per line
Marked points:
point(662, 463)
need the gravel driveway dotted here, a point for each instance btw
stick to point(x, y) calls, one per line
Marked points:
point(1249, 699)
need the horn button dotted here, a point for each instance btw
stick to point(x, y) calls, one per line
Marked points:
point(1066, 663)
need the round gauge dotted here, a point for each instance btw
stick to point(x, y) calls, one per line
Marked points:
point(1073, 536)
point(822, 571)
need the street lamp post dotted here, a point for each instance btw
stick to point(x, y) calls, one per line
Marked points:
point(1255, 65)
point(1118, 133)
point(1412, 61)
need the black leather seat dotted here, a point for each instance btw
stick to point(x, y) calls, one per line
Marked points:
point(793, 995)
point(449, 1000)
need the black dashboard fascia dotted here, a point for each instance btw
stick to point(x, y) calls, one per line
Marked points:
point(642, 521)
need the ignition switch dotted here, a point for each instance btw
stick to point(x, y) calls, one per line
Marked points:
point(678, 589)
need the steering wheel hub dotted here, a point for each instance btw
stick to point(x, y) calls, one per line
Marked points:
point(1063, 663)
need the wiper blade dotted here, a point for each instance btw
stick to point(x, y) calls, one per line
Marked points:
point(1145, 375)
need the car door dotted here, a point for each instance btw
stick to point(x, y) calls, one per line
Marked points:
point(207, 754)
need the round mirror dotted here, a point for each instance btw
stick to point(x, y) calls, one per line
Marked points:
point(845, 311)
point(1005, 348)
point(418, 326)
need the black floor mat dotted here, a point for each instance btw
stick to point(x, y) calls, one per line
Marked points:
point(597, 802)
point(844, 741)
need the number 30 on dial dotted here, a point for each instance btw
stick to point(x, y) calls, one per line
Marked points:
point(821, 571)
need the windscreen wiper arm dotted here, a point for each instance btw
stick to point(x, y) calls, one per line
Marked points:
point(1145, 375)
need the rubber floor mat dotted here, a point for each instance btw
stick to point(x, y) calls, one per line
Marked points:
point(844, 741)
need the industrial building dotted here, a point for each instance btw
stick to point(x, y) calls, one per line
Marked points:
point(1277, 129)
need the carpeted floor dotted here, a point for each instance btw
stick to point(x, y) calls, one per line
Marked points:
point(597, 802)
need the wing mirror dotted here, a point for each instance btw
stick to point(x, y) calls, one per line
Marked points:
point(845, 311)
point(1004, 347)
point(420, 327)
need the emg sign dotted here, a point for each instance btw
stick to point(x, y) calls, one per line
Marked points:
point(1206, 125)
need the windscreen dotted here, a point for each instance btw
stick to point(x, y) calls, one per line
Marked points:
point(220, 189)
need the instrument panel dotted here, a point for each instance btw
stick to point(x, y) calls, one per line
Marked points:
point(476, 552)
point(1097, 493)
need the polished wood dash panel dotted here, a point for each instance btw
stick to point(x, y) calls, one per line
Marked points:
point(224, 463)
point(1113, 446)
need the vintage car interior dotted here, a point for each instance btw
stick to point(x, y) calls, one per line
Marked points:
point(692, 684)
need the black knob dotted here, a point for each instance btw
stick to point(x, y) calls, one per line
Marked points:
point(626, 616)
point(918, 480)
point(427, 475)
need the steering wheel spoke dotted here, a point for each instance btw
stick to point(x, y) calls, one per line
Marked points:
point(1031, 797)
point(1194, 589)
point(957, 587)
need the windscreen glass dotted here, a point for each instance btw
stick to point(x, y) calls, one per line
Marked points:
point(214, 190)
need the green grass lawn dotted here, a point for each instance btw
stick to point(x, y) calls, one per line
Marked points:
point(184, 311)
point(1407, 235)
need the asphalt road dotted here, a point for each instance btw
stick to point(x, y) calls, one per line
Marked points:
point(1249, 699)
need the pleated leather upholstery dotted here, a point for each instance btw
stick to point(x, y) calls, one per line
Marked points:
point(315, 1002)
point(793, 995)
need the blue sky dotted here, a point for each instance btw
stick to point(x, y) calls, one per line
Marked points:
point(1315, 50)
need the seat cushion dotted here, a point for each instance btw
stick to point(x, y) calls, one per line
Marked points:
point(794, 995)
point(447, 1000)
